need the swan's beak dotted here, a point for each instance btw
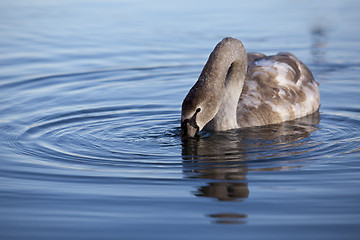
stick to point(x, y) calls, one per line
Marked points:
point(189, 128)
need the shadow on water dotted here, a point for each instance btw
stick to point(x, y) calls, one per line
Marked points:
point(224, 159)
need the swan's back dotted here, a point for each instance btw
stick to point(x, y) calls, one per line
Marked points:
point(277, 88)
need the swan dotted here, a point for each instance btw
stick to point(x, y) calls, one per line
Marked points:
point(237, 89)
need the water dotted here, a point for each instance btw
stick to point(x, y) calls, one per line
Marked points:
point(90, 96)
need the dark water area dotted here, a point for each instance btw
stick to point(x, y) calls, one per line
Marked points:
point(90, 100)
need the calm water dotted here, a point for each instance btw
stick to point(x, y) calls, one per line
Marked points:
point(90, 96)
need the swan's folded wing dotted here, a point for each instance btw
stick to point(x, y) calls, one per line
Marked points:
point(278, 88)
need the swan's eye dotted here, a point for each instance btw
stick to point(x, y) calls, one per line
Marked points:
point(198, 110)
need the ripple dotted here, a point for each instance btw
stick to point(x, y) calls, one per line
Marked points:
point(130, 74)
point(96, 124)
point(101, 136)
point(124, 123)
point(231, 155)
point(339, 135)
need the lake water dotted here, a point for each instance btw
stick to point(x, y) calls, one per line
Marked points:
point(90, 99)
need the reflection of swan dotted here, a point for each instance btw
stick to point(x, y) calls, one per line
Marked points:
point(208, 158)
point(224, 159)
point(237, 90)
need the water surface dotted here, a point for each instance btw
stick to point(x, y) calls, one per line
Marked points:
point(90, 97)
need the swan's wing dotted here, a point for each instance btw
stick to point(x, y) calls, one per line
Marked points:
point(278, 88)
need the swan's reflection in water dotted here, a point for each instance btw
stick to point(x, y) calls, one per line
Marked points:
point(224, 159)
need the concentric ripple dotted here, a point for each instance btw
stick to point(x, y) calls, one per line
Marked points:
point(125, 123)
point(97, 125)
point(231, 155)
point(100, 123)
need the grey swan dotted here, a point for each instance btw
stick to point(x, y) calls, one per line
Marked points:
point(237, 89)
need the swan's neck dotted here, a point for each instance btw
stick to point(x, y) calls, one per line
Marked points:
point(226, 117)
point(230, 63)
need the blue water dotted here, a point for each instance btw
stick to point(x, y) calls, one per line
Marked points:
point(90, 99)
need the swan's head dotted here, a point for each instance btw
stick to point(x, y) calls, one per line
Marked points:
point(199, 107)
point(190, 126)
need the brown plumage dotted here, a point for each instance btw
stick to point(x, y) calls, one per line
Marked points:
point(236, 90)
